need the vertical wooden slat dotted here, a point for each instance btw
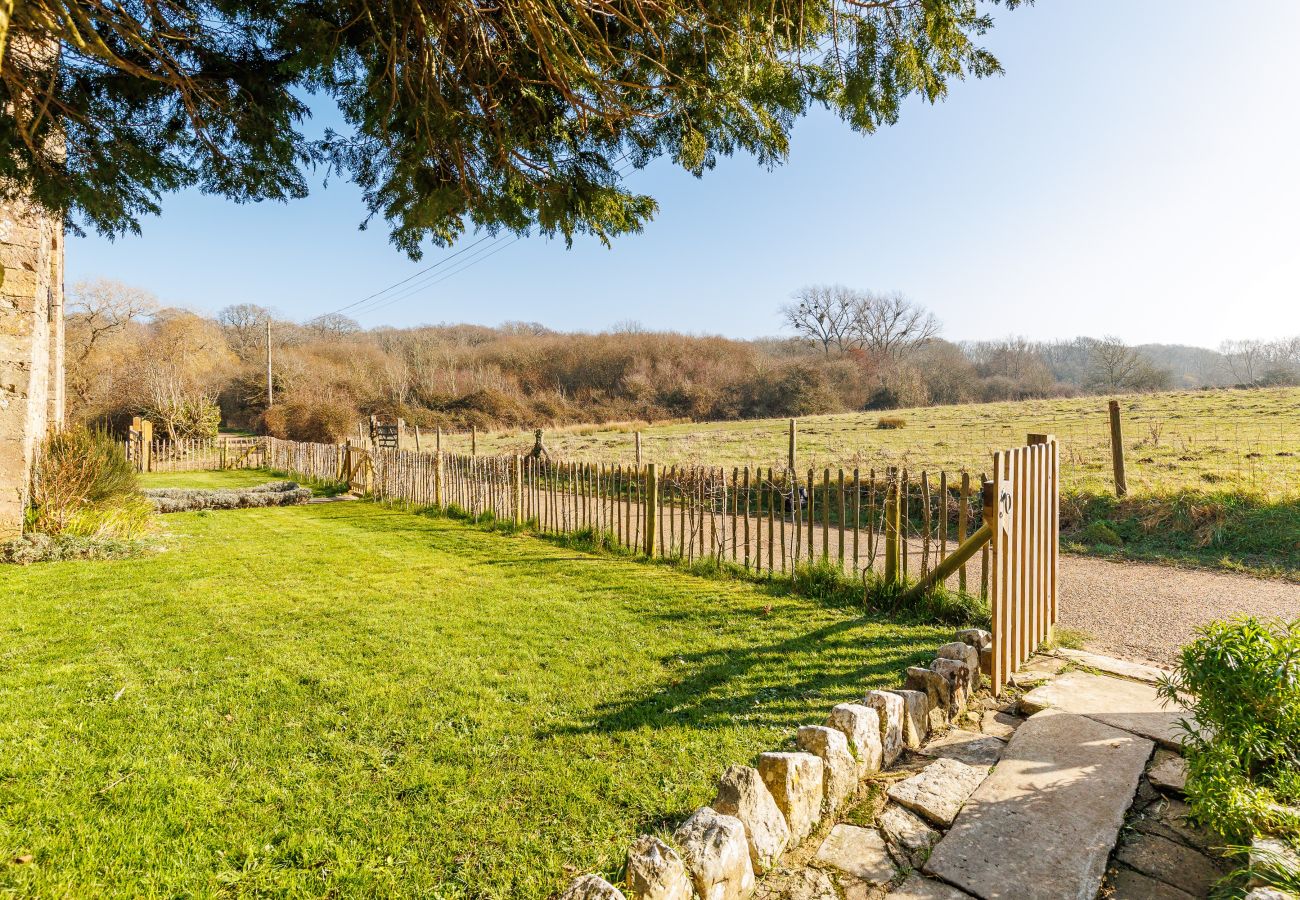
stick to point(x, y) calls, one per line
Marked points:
point(826, 515)
point(811, 514)
point(925, 524)
point(772, 497)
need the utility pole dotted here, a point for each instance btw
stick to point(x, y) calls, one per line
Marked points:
point(270, 395)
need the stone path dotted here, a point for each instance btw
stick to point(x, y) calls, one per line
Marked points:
point(1043, 825)
point(1027, 798)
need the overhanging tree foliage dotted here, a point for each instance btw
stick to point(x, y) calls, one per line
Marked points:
point(499, 114)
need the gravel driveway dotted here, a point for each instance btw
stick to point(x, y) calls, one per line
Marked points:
point(1146, 611)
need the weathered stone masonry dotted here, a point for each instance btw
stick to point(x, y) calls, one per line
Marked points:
point(31, 348)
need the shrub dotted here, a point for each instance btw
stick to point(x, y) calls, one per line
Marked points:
point(83, 484)
point(890, 422)
point(1241, 681)
point(35, 548)
point(274, 493)
point(196, 416)
point(318, 421)
point(1101, 533)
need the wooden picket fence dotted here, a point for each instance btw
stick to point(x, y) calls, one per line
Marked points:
point(152, 454)
point(899, 523)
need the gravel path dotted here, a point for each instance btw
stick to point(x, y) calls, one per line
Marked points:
point(1146, 611)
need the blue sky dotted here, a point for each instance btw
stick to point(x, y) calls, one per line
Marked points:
point(1134, 172)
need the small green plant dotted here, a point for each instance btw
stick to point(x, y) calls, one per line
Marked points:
point(1101, 533)
point(84, 485)
point(1240, 679)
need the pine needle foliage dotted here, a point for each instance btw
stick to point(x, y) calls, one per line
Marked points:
point(519, 115)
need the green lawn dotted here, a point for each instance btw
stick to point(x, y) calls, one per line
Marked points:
point(230, 478)
point(346, 700)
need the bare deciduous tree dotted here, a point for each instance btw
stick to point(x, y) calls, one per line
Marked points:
point(102, 307)
point(1115, 366)
point(823, 314)
point(245, 327)
point(890, 324)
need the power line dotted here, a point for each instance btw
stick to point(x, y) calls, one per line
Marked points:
point(417, 288)
point(416, 275)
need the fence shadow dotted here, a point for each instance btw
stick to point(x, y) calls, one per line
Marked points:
point(720, 685)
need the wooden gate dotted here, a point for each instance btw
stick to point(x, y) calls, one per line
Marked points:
point(1025, 522)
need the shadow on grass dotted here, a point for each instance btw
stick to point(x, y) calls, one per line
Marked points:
point(720, 685)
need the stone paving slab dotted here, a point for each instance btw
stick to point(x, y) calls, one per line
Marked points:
point(1112, 666)
point(970, 747)
point(858, 852)
point(1042, 825)
point(1130, 885)
point(918, 888)
point(1129, 705)
point(1170, 862)
point(938, 791)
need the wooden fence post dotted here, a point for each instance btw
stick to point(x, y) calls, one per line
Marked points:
point(473, 440)
point(146, 445)
point(417, 438)
point(893, 535)
point(437, 441)
point(638, 451)
point(793, 427)
point(1117, 450)
point(437, 475)
point(651, 505)
point(519, 490)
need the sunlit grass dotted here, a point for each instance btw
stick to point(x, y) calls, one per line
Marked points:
point(350, 701)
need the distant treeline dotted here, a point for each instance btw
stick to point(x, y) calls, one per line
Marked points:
point(129, 355)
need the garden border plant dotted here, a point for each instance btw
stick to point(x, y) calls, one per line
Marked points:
point(1240, 680)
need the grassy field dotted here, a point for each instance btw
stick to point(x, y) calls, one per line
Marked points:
point(1240, 441)
point(345, 700)
point(1213, 476)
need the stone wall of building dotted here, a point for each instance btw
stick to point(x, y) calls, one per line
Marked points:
point(31, 348)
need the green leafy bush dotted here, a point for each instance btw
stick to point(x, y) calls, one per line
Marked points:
point(84, 485)
point(1241, 681)
point(1101, 533)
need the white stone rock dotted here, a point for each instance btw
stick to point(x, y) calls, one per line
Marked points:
point(861, 725)
point(742, 793)
point(795, 781)
point(1169, 775)
point(939, 790)
point(839, 768)
point(916, 723)
point(889, 707)
point(957, 674)
point(1268, 893)
point(716, 855)
point(930, 681)
point(967, 656)
point(591, 887)
point(976, 637)
point(655, 871)
point(857, 852)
